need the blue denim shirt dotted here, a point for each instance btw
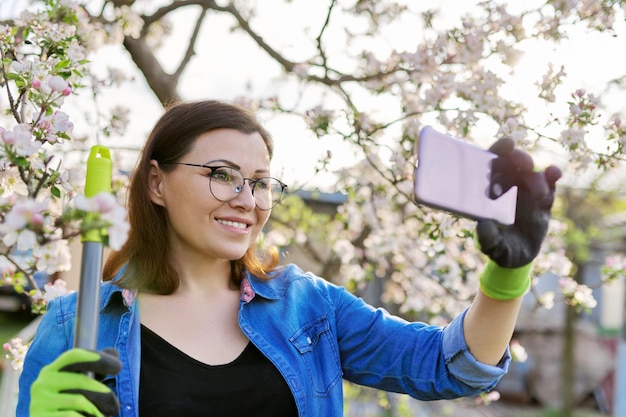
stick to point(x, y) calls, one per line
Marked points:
point(314, 332)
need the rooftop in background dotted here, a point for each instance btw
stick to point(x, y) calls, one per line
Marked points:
point(322, 197)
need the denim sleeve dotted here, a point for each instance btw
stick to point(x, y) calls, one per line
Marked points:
point(386, 352)
point(463, 365)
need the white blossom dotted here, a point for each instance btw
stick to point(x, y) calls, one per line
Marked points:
point(23, 240)
point(11, 183)
point(54, 256)
point(21, 139)
point(16, 352)
point(56, 289)
point(110, 211)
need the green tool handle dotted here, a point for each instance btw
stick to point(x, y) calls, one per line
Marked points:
point(98, 180)
point(99, 177)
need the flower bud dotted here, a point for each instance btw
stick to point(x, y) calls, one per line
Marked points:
point(59, 85)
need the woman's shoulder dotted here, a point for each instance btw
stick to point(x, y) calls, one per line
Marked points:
point(64, 306)
point(291, 273)
point(292, 278)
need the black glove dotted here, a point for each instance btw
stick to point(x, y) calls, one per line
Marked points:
point(517, 245)
point(63, 386)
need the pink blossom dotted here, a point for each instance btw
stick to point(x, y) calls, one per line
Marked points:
point(61, 122)
point(45, 124)
point(577, 295)
point(25, 212)
point(567, 285)
point(58, 84)
point(52, 125)
point(616, 262)
point(21, 139)
point(487, 398)
point(19, 133)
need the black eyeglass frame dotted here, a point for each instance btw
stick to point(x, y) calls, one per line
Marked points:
point(251, 182)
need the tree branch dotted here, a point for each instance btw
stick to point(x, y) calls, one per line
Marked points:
point(163, 84)
point(243, 23)
point(190, 48)
point(165, 10)
point(318, 40)
point(5, 80)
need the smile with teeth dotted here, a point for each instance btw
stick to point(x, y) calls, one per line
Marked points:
point(233, 224)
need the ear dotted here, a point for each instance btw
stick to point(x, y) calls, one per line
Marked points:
point(155, 184)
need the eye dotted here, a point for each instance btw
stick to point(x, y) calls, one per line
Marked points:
point(222, 174)
point(262, 184)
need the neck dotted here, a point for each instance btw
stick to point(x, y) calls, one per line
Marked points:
point(207, 277)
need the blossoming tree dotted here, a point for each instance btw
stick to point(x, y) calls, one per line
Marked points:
point(369, 93)
point(42, 208)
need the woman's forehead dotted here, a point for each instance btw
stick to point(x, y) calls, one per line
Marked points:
point(231, 145)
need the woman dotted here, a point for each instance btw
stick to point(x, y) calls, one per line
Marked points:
point(204, 327)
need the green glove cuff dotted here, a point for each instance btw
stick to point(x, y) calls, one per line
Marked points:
point(502, 283)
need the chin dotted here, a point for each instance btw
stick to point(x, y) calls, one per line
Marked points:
point(235, 255)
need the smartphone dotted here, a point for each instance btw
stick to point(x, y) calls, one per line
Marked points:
point(456, 176)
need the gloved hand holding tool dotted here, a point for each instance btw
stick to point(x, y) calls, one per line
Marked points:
point(64, 386)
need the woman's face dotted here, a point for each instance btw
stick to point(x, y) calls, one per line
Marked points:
point(199, 223)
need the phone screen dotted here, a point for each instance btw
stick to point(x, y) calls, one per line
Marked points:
point(455, 176)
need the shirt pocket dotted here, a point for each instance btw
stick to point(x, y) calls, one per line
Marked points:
point(320, 355)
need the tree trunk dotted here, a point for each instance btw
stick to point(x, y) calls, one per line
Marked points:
point(568, 366)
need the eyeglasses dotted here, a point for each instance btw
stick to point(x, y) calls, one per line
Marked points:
point(226, 183)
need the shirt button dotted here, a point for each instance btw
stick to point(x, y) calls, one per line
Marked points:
point(309, 341)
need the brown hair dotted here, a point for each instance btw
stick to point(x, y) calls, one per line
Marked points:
point(145, 253)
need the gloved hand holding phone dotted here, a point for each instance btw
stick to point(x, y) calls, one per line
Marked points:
point(517, 245)
point(64, 388)
point(511, 249)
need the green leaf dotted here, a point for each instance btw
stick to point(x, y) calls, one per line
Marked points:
point(20, 161)
point(55, 192)
point(11, 76)
point(63, 64)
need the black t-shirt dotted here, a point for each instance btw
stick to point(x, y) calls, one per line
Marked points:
point(174, 384)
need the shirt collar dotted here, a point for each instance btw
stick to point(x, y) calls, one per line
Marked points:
point(252, 286)
point(249, 288)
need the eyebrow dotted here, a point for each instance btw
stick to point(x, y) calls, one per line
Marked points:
point(232, 165)
point(222, 161)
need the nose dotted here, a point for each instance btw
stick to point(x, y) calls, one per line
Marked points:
point(245, 198)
